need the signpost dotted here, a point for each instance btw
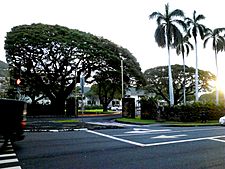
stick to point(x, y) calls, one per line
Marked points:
point(82, 95)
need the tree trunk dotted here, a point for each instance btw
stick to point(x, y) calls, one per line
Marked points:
point(171, 94)
point(105, 107)
point(217, 75)
point(184, 89)
point(58, 106)
point(196, 71)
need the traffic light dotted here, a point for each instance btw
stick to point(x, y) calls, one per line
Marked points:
point(18, 82)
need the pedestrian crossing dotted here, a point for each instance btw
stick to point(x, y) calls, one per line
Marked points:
point(8, 159)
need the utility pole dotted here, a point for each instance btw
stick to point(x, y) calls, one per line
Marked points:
point(82, 95)
point(122, 78)
point(75, 98)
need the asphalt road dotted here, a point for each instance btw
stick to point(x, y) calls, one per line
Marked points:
point(133, 147)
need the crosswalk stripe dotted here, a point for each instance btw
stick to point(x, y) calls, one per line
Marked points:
point(9, 161)
point(7, 155)
point(15, 167)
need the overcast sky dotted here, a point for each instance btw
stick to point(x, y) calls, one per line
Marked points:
point(124, 22)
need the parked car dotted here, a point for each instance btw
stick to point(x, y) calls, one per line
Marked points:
point(119, 108)
point(114, 108)
point(222, 120)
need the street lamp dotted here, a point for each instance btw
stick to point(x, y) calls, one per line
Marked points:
point(122, 77)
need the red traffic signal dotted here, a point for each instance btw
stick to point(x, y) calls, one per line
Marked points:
point(18, 81)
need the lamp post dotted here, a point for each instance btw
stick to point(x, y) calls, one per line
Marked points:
point(122, 78)
point(75, 98)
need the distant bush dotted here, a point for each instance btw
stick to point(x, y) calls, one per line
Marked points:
point(193, 112)
point(93, 107)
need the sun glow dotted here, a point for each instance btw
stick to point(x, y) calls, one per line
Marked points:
point(220, 84)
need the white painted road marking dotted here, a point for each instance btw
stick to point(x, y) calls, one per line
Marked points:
point(16, 167)
point(9, 161)
point(215, 138)
point(7, 155)
point(169, 137)
point(115, 138)
point(143, 131)
point(7, 158)
point(164, 131)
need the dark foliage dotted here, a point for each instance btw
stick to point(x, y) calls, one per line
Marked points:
point(196, 112)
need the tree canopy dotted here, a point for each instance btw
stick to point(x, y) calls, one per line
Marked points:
point(157, 81)
point(51, 59)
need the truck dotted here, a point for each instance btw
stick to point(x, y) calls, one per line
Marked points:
point(12, 120)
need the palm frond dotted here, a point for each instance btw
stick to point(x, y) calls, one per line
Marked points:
point(206, 41)
point(181, 23)
point(160, 20)
point(177, 36)
point(178, 49)
point(188, 21)
point(219, 30)
point(187, 49)
point(202, 29)
point(220, 44)
point(155, 15)
point(176, 13)
point(160, 36)
point(200, 17)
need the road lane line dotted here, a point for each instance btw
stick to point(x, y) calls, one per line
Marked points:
point(115, 138)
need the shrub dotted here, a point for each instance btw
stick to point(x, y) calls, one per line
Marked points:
point(93, 107)
point(196, 111)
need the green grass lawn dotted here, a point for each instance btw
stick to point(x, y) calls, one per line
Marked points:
point(96, 111)
point(137, 120)
point(67, 121)
point(192, 124)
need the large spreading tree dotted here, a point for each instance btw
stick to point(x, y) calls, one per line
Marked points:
point(51, 59)
point(157, 80)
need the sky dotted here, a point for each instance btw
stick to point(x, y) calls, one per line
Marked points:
point(124, 22)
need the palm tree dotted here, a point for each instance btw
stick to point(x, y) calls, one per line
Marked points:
point(194, 29)
point(218, 43)
point(182, 48)
point(167, 34)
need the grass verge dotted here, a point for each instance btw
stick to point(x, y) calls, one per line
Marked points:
point(137, 120)
point(67, 121)
point(191, 124)
point(96, 111)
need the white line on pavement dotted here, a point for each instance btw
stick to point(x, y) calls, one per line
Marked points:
point(169, 131)
point(15, 167)
point(115, 138)
point(9, 161)
point(214, 139)
point(155, 144)
point(7, 155)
